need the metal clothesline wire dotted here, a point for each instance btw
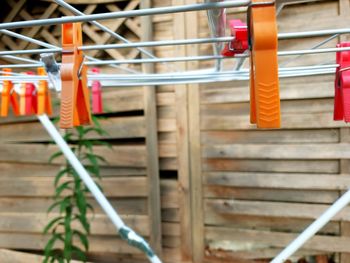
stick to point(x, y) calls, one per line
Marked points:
point(54, 49)
point(193, 58)
point(105, 29)
point(49, 46)
point(126, 14)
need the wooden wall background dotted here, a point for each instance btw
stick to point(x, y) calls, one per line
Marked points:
point(228, 192)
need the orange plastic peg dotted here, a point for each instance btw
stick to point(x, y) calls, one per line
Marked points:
point(75, 103)
point(44, 98)
point(264, 84)
point(8, 96)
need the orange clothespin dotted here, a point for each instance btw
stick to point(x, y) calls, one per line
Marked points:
point(75, 101)
point(43, 95)
point(8, 96)
point(264, 84)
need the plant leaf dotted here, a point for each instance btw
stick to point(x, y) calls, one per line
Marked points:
point(83, 238)
point(52, 223)
point(62, 187)
point(54, 156)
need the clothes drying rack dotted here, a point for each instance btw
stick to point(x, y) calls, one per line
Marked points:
point(131, 77)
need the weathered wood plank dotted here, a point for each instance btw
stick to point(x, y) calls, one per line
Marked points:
point(290, 89)
point(116, 128)
point(295, 166)
point(270, 136)
point(43, 187)
point(277, 239)
point(278, 180)
point(289, 121)
point(280, 151)
point(123, 155)
point(272, 209)
point(100, 223)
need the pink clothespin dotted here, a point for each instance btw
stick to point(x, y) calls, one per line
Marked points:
point(97, 106)
point(239, 44)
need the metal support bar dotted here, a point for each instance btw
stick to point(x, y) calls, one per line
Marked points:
point(126, 14)
point(125, 232)
point(312, 229)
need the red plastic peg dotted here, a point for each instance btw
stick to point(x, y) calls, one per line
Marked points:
point(240, 42)
point(97, 106)
point(342, 85)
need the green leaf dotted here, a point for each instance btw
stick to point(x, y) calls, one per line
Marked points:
point(54, 156)
point(52, 223)
point(65, 203)
point(48, 250)
point(63, 187)
point(79, 253)
point(67, 250)
point(81, 202)
point(51, 207)
point(85, 224)
point(60, 175)
point(83, 238)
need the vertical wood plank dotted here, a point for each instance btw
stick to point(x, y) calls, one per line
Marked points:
point(154, 208)
point(344, 170)
point(182, 141)
point(194, 134)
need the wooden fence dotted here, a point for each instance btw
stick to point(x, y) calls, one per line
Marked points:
point(215, 189)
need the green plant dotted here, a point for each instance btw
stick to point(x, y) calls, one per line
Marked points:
point(70, 228)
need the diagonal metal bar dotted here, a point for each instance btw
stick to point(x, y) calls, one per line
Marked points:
point(49, 46)
point(102, 27)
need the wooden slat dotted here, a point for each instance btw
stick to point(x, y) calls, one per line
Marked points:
point(100, 223)
point(282, 224)
point(116, 128)
point(290, 89)
point(278, 180)
point(280, 151)
point(272, 209)
point(150, 111)
point(271, 136)
point(277, 239)
point(282, 195)
point(289, 121)
point(295, 166)
point(123, 156)
point(37, 242)
point(135, 206)
point(40, 186)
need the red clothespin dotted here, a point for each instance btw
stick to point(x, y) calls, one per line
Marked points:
point(30, 97)
point(97, 106)
point(8, 96)
point(75, 101)
point(43, 95)
point(240, 42)
point(342, 85)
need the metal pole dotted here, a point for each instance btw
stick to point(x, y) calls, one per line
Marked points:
point(126, 233)
point(126, 14)
point(312, 229)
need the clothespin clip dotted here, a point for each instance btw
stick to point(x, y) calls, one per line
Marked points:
point(43, 95)
point(240, 42)
point(75, 104)
point(264, 84)
point(28, 98)
point(96, 94)
point(342, 85)
point(8, 96)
